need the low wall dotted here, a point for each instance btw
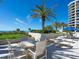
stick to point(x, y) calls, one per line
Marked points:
point(4, 41)
point(41, 37)
point(37, 36)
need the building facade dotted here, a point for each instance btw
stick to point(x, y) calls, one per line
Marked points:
point(73, 13)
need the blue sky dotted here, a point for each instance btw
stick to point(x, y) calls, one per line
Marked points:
point(16, 14)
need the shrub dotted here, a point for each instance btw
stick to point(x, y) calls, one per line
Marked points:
point(54, 31)
point(45, 31)
point(0, 33)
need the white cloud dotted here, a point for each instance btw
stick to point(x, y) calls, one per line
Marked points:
point(28, 17)
point(16, 23)
point(19, 21)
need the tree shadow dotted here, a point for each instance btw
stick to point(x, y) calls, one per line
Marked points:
point(54, 52)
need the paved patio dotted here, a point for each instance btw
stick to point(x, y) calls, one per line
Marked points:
point(54, 52)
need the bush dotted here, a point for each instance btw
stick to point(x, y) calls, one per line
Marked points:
point(54, 31)
point(29, 35)
point(45, 31)
point(36, 31)
point(0, 33)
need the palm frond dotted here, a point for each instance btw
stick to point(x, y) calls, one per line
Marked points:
point(40, 7)
point(35, 16)
point(37, 11)
point(50, 12)
point(48, 18)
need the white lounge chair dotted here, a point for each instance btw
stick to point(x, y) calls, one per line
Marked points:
point(76, 44)
point(40, 48)
point(66, 43)
point(70, 40)
point(5, 55)
point(76, 35)
point(26, 44)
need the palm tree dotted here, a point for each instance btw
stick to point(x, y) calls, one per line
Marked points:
point(29, 29)
point(56, 25)
point(17, 30)
point(63, 25)
point(77, 27)
point(49, 27)
point(43, 13)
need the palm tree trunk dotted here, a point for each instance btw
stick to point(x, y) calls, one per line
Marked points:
point(56, 28)
point(63, 27)
point(43, 26)
point(43, 22)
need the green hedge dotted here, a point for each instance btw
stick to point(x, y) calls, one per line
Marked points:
point(46, 31)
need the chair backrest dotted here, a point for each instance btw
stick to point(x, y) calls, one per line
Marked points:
point(76, 44)
point(37, 36)
point(76, 35)
point(40, 47)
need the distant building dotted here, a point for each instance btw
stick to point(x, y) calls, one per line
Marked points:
point(73, 13)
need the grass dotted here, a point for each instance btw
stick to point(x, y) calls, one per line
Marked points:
point(11, 36)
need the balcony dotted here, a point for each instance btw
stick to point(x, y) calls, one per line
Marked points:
point(72, 11)
point(71, 15)
point(71, 24)
point(72, 5)
point(72, 18)
point(73, 8)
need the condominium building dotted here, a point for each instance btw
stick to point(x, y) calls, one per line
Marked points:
point(73, 13)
